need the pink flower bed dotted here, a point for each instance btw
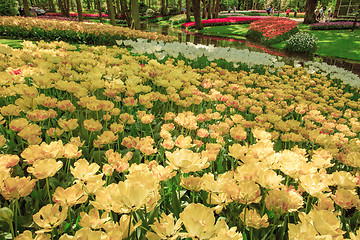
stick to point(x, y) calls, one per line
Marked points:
point(220, 21)
point(88, 15)
point(59, 18)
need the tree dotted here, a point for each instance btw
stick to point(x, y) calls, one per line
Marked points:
point(88, 4)
point(64, 6)
point(125, 12)
point(162, 8)
point(197, 14)
point(117, 12)
point(135, 14)
point(79, 10)
point(111, 11)
point(26, 8)
point(310, 11)
point(188, 11)
point(98, 7)
point(217, 8)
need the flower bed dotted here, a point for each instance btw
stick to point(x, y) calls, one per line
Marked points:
point(241, 59)
point(52, 17)
point(97, 143)
point(223, 21)
point(244, 58)
point(333, 25)
point(74, 32)
point(272, 30)
point(86, 15)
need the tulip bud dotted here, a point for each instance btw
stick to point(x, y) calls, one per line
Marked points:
point(6, 214)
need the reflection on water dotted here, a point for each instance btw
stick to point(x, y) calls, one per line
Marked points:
point(198, 38)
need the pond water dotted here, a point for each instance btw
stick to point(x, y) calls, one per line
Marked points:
point(199, 38)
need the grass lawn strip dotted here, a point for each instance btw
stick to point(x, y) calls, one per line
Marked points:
point(11, 43)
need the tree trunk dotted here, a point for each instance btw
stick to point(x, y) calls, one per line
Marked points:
point(166, 7)
point(52, 6)
point(162, 8)
point(197, 14)
point(209, 9)
point(98, 6)
point(205, 12)
point(26, 8)
point(111, 11)
point(188, 19)
point(61, 7)
point(310, 11)
point(217, 8)
point(356, 18)
point(72, 5)
point(64, 6)
point(135, 14)
point(118, 13)
point(125, 12)
point(79, 10)
point(88, 4)
point(180, 6)
point(213, 8)
point(67, 8)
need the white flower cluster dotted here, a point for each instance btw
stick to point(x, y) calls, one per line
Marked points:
point(252, 59)
point(333, 72)
point(301, 42)
point(192, 52)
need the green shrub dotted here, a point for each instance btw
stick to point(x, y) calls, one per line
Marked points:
point(8, 8)
point(302, 42)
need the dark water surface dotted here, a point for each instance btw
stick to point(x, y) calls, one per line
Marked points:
point(199, 38)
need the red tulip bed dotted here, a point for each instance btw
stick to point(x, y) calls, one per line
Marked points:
point(272, 30)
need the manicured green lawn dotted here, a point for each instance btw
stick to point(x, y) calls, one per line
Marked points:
point(337, 43)
point(333, 43)
point(234, 31)
point(12, 43)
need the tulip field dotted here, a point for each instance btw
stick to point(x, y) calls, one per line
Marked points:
point(137, 141)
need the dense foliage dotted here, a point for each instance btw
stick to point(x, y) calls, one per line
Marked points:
point(8, 8)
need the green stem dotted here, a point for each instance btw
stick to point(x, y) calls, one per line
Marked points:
point(70, 221)
point(11, 229)
point(244, 228)
point(129, 225)
point(48, 189)
point(15, 216)
point(308, 203)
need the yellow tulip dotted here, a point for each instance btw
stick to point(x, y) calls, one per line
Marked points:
point(186, 160)
point(50, 216)
point(45, 168)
